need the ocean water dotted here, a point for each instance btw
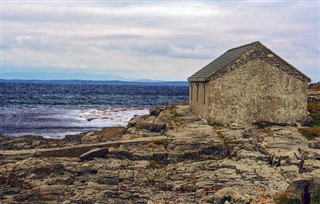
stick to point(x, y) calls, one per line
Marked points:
point(56, 108)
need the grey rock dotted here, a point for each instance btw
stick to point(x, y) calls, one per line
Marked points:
point(151, 124)
point(191, 162)
point(77, 137)
point(94, 153)
point(135, 120)
point(314, 144)
point(156, 111)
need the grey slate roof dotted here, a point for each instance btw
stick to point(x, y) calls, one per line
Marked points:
point(220, 62)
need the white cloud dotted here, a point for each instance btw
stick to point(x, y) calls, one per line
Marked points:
point(159, 40)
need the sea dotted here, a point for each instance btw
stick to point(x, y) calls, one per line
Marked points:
point(54, 109)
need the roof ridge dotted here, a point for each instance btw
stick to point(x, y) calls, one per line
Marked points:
point(243, 46)
point(220, 62)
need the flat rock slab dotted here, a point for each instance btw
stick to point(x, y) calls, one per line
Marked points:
point(94, 153)
point(76, 150)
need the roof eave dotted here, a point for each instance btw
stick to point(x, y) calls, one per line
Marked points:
point(190, 79)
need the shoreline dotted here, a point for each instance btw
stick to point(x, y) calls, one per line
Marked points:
point(80, 121)
point(169, 155)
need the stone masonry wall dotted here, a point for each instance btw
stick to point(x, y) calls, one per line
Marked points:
point(256, 90)
point(259, 51)
point(199, 101)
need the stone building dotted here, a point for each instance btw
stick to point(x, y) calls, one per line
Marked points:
point(249, 84)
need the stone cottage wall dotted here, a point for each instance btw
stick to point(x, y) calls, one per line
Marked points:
point(255, 91)
point(198, 98)
point(259, 51)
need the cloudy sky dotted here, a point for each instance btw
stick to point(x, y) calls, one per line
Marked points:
point(161, 40)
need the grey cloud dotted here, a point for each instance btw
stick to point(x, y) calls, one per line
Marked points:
point(142, 37)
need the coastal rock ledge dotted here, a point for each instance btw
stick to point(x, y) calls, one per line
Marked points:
point(170, 156)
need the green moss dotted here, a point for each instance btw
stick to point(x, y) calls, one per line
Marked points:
point(313, 129)
point(310, 132)
point(314, 110)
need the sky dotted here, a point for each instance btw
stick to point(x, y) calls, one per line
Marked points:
point(159, 40)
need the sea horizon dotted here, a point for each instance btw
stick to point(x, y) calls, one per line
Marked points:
point(55, 108)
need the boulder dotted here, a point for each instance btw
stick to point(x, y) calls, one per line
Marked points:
point(110, 133)
point(146, 123)
point(94, 153)
point(135, 120)
point(164, 117)
point(77, 137)
point(156, 111)
point(150, 124)
point(301, 186)
point(104, 135)
point(232, 195)
point(158, 126)
point(90, 137)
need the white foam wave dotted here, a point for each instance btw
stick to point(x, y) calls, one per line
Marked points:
point(110, 117)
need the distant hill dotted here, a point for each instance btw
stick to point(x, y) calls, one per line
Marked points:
point(62, 76)
point(79, 77)
point(148, 80)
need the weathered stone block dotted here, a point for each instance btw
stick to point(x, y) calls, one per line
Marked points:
point(94, 153)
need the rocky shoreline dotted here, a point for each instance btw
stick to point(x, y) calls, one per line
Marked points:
point(169, 156)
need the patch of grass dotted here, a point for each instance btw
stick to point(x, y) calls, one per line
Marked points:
point(313, 107)
point(314, 110)
point(310, 132)
point(315, 120)
point(313, 129)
